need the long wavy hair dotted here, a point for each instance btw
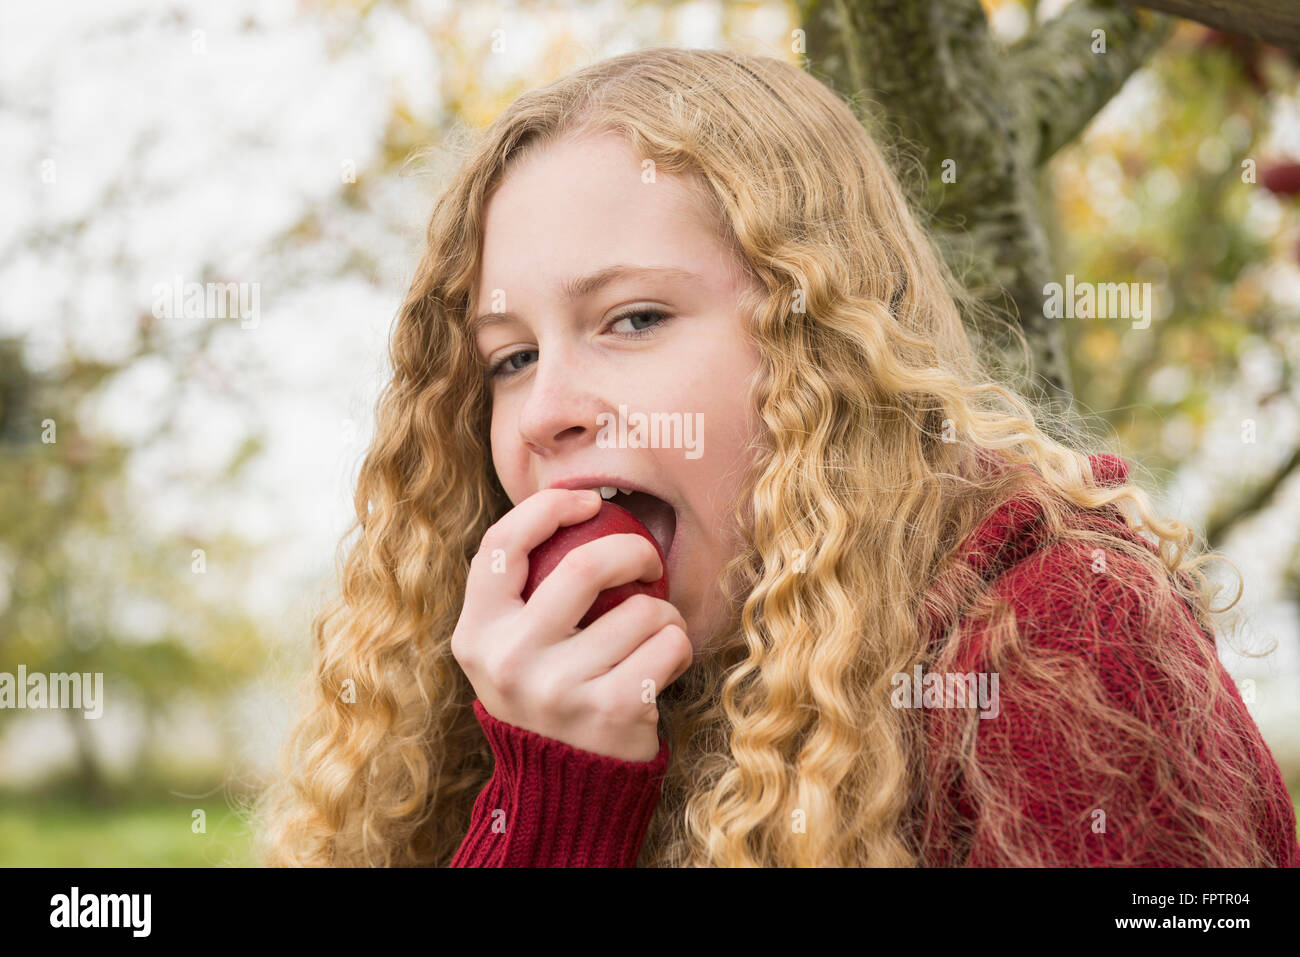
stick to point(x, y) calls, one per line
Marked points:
point(852, 504)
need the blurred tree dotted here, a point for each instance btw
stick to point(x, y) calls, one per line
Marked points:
point(80, 569)
point(1186, 206)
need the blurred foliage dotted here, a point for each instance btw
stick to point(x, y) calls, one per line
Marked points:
point(81, 568)
point(1180, 192)
point(1171, 206)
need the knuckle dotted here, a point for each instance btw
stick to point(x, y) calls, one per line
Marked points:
point(492, 539)
point(553, 692)
point(644, 609)
point(505, 670)
point(678, 638)
point(609, 709)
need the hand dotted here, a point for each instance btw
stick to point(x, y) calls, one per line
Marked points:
point(531, 666)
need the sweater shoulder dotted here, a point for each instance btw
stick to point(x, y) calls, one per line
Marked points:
point(1095, 629)
point(1065, 586)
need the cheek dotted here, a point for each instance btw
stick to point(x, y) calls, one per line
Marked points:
point(495, 435)
point(501, 452)
point(504, 434)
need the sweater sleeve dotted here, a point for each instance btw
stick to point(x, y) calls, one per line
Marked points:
point(1071, 793)
point(548, 804)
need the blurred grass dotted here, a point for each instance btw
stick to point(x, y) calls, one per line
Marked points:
point(67, 832)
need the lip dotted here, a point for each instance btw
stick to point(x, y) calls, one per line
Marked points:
point(670, 560)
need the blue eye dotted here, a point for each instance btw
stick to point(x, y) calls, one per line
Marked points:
point(503, 370)
point(498, 369)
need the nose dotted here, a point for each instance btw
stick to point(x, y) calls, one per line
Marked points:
point(563, 403)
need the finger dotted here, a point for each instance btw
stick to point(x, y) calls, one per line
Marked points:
point(608, 640)
point(566, 594)
point(659, 661)
point(500, 567)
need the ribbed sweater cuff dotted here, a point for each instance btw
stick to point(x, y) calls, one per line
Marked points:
point(563, 806)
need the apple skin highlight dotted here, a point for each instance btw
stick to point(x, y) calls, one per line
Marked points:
point(610, 520)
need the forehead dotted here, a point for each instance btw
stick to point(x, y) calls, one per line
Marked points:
point(581, 204)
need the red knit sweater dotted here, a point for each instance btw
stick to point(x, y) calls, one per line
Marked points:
point(552, 805)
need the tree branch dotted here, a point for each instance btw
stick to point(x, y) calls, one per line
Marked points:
point(1272, 21)
point(1064, 83)
point(1220, 524)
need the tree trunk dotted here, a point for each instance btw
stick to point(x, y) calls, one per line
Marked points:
point(932, 72)
point(90, 779)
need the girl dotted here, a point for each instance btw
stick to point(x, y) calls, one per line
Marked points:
point(904, 626)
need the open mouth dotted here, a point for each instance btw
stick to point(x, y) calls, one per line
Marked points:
point(659, 518)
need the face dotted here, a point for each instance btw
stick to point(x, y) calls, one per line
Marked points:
point(667, 342)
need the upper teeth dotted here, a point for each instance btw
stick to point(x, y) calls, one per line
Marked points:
point(608, 491)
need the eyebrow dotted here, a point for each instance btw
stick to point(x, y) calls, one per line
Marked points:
point(580, 286)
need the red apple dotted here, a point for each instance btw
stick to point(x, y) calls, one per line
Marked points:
point(610, 520)
point(1281, 177)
